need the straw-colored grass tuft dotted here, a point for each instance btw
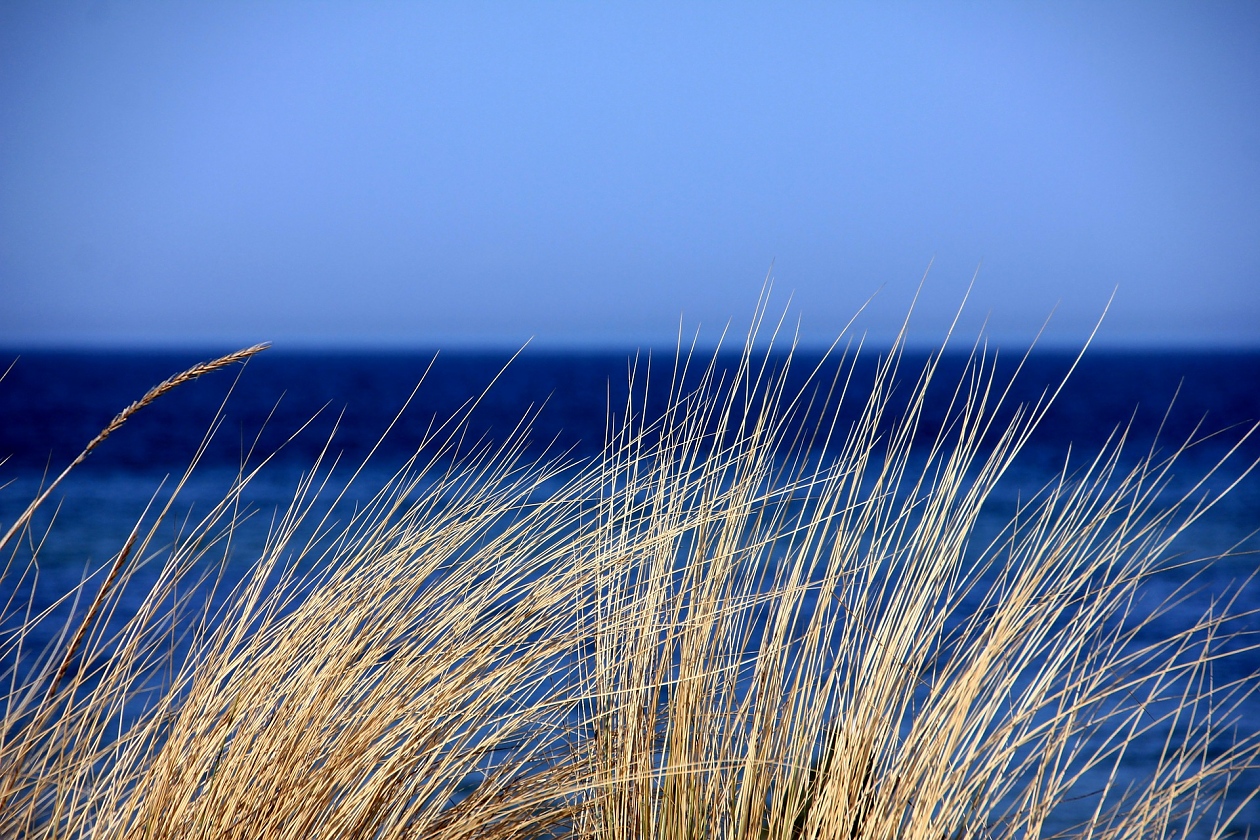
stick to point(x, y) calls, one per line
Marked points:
point(730, 624)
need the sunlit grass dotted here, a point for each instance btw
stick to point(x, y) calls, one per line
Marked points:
point(729, 624)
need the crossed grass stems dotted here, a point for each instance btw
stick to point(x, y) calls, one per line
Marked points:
point(710, 630)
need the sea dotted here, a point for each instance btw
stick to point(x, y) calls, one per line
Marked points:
point(370, 412)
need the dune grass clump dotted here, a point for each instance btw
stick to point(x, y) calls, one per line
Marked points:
point(738, 621)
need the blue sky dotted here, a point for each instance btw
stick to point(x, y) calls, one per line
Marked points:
point(395, 174)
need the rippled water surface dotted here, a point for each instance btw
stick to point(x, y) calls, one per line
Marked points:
point(51, 404)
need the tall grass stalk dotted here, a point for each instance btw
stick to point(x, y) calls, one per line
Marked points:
point(736, 622)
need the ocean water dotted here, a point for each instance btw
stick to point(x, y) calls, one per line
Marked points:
point(291, 407)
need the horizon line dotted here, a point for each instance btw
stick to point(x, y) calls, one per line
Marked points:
point(869, 343)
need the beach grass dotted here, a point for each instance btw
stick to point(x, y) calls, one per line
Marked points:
point(738, 621)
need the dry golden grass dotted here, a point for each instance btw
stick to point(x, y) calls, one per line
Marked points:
point(709, 631)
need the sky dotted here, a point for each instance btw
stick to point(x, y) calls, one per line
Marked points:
point(596, 175)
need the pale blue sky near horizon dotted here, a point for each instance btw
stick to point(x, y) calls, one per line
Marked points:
point(477, 174)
